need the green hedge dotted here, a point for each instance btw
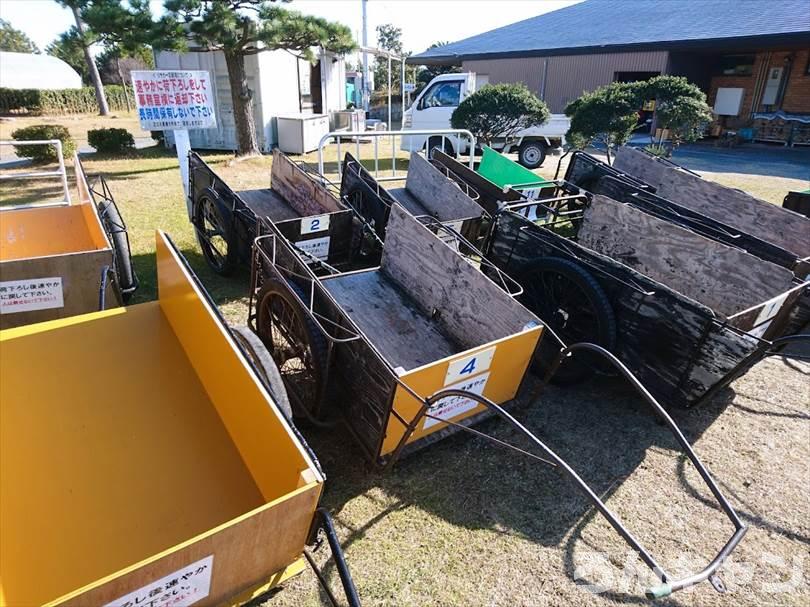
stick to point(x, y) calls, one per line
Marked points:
point(43, 153)
point(111, 141)
point(61, 101)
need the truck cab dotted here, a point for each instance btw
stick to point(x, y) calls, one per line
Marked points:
point(433, 107)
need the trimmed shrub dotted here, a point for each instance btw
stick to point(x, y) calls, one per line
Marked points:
point(158, 136)
point(61, 101)
point(110, 141)
point(43, 153)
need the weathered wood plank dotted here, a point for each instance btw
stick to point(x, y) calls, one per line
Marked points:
point(268, 203)
point(471, 308)
point(763, 219)
point(442, 198)
point(662, 336)
point(725, 279)
point(638, 164)
point(405, 335)
point(303, 193)
point(773, 224)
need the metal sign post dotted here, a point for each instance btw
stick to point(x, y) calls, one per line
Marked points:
point(175, 100)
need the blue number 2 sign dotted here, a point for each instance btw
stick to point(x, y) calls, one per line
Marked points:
point(319, 223)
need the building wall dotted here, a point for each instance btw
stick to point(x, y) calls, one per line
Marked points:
point(797, 95)
point(567, 76)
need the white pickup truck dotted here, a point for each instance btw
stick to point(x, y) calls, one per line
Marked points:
point(433, 107)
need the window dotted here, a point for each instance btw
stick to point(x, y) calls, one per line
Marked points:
point(443, 94)
point(736, 65)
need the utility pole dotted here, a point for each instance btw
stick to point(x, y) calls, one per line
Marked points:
point(366, 83)
point(101, 99)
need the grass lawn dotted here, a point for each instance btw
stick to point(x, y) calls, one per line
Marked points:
point(465, 523)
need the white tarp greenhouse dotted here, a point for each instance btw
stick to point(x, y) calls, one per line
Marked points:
point(29, 71)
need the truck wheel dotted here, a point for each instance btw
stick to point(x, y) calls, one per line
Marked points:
point(572, 303)
point(265, 365)
point(531, 154)
point(436, 142)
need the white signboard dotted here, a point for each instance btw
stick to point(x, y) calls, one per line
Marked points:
point(453, 406)
point(469, 365)
point(182, 588)
point(174, 99)
point(318, 223)
point(317, 247)
point(769, 311)
point(31, 294)
point(410, 87)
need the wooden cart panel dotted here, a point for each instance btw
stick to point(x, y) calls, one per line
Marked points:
point(136, 442)
point(64, 246)
point(495, 371)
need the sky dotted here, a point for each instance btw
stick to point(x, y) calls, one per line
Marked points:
point(423, 22)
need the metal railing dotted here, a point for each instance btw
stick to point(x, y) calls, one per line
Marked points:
point(61, 173)
point(375, 136)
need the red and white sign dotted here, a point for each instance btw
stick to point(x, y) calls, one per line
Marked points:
point(174, 99)
point(31, 294)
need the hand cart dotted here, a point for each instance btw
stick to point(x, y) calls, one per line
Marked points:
point(305, 211)
point(426, 193)
point(686, 314)
point(183, 483)
point(60, 259)
point(420, 347)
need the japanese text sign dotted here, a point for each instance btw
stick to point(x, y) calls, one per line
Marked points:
point(182, 588)
point(31, 294)
point(174, 99)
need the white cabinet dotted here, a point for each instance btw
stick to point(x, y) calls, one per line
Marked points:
point(301, 133)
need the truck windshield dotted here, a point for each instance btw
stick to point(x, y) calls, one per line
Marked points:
point(443, 94)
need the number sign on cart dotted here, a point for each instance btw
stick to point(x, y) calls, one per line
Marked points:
point(175, 100)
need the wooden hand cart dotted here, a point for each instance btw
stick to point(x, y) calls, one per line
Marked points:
point(305, 211)
point(175, 479)
point(680, 310)
point(420, 347)
point(66, 258)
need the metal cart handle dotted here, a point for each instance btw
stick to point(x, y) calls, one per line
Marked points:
point(323, 522)
point(668, 585)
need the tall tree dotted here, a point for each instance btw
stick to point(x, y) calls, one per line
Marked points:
point(69, 48)
point(389, 38)
point(240, 28)
point(86, 39)
point(13, 40)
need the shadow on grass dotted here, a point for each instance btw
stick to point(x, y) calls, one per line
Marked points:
point(602, 429)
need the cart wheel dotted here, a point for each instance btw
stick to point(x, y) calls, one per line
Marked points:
point(296, 344)
point(436, 142)
point(575, 307)
point(214, 227)
point(122, 257)
point(265, 365)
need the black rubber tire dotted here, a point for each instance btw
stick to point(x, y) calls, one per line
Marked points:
point(315, 341)
point(222, 217)
point(531, 154)
point(436, 142)
point(267, 368)
point(582, 366)
point(114, 225)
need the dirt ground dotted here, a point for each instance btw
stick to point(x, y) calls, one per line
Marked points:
point(467, 523)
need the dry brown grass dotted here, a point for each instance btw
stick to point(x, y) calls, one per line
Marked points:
point(465, 523)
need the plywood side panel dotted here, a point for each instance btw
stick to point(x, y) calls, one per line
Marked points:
point(302, 193)
point(439, 195)
point(81, 281)
point(472, 308)
point(638, 164)
point(767, 221)
point(723, 278)
point(269, 447)
point(246, 552)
